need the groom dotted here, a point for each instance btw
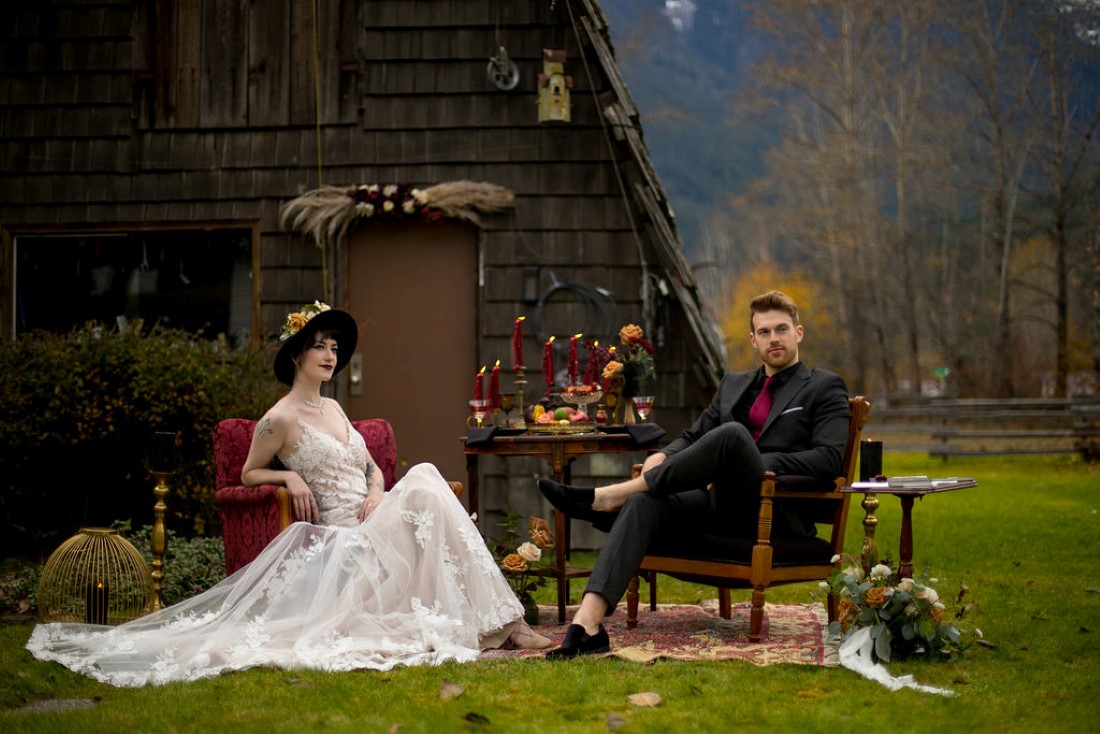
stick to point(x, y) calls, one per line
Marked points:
point(782, 417)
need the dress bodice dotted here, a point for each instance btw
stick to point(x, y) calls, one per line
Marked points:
point(333, 470)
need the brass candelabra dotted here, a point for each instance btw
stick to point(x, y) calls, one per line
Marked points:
point(159, 537)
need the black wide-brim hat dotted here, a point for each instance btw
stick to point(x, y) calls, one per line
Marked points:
point(333, 320)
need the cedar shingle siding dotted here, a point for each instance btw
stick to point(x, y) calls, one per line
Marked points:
point(149, 114)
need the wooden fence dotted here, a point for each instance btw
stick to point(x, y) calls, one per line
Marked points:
point(968, 427)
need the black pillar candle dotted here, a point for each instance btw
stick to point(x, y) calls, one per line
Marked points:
point(162, 453)
point(95, 603)
point(870, 460)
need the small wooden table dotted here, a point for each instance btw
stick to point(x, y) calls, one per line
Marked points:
point(559, 451)
point(869, 551)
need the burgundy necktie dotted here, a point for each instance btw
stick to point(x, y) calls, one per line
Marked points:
point(758, 413)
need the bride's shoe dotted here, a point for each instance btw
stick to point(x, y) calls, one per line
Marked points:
point(525, 638)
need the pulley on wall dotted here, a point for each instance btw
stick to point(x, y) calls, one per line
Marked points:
point(502, 72)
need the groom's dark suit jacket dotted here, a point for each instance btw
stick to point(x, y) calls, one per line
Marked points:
point(806, 429)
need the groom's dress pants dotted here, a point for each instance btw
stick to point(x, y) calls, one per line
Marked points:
point(679, 506)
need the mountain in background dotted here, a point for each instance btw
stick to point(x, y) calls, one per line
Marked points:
point(685, 63)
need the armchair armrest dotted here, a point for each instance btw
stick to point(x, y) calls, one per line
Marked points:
point(244, 496)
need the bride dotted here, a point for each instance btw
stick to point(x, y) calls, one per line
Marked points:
point(369, 579)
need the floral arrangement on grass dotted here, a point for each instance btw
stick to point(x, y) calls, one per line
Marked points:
point(906, 616)
point(517, 560)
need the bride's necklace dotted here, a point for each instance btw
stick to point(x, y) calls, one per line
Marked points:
point(316, 405)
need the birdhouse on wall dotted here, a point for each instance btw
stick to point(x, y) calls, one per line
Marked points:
point(554, 87)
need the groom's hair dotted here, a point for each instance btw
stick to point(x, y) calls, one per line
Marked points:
point(773, 301)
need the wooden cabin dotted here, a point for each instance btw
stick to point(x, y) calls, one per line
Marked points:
point(150, 149)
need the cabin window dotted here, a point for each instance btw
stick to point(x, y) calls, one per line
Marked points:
point(195, 280)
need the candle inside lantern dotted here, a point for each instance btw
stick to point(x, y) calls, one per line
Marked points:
point(870, 460)
point(479, 388)
point(517, 344)
point(95, 603)
point(548, 363)
point(572, 364)
point(494, 387)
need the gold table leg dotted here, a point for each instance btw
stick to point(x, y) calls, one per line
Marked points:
point(869, 552)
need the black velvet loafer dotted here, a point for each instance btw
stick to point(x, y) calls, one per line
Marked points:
point(576, 502)
point(578, 642)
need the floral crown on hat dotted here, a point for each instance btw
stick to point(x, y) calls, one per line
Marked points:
point(297, 319)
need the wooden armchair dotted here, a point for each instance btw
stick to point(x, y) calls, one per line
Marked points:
point(252, 516)
point(738, 562)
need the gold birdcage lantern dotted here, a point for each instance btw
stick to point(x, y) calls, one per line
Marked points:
point(97, 577)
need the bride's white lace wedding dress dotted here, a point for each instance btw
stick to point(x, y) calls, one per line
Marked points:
point(414, 584)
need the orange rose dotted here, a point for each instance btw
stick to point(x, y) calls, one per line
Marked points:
point(514, 563)
point(542, 539)
point(612, 370)
point(875, 596)
point(937, 614)
point(631, 333)
point(296, 321)
point(539, 530)
point(846, 613)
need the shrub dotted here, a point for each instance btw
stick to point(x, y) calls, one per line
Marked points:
point(191, 566)
point(77, 416)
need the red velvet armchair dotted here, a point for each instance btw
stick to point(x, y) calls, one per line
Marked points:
point(252, 516)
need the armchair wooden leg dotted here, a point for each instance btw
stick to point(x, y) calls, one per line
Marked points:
point(632, 603)
point(651, 577)
point(831, 605)
point(725, 608)
point(756, 618)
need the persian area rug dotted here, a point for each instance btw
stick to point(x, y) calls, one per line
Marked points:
point(793, 633)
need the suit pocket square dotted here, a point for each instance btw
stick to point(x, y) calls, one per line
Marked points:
point(791, 410)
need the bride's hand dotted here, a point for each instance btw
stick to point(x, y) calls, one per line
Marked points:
point(370, 504)
point(301, 499)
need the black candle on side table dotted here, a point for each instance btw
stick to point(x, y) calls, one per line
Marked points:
point(870, 460)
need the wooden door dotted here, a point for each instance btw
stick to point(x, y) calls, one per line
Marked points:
point(413, 289)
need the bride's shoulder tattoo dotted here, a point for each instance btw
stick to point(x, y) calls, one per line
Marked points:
point(265, 429)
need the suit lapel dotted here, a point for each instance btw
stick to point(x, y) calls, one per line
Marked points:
point(734, 389)
point(786, 394)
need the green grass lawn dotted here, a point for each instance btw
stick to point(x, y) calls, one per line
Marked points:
point(1025, 541)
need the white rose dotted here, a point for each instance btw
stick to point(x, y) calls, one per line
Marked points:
point(409, 206)
point(906, 584)
point(835, 558)
point(530, 552)
point(390, 190)
point(881, 571)
point(855, 572)
point(929, 595)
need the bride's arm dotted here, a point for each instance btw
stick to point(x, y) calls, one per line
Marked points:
point(267, 440)
point(376, 488)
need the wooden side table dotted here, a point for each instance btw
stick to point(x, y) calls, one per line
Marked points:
point(559, 451)
point(870, 490)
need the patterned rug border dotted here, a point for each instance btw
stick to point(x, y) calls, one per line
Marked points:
point(793, 633)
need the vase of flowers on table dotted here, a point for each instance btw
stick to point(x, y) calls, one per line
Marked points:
point(636, 355)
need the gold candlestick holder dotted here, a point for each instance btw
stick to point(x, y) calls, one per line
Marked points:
point(520, 382)
point(159, 537)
